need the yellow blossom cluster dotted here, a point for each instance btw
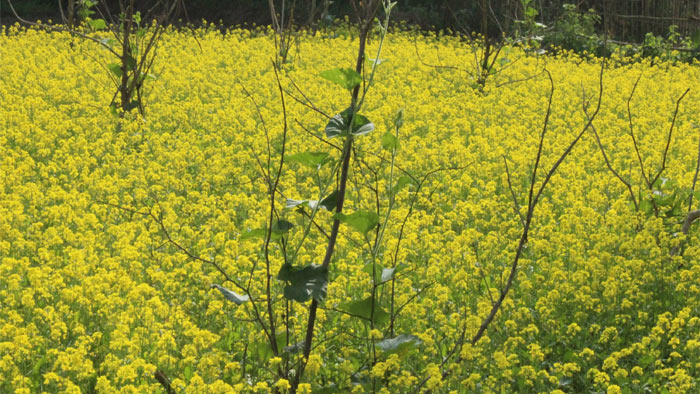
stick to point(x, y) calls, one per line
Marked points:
point(95, 299)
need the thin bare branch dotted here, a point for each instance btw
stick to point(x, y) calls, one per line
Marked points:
point(268, 236)
point(311, 133)
point(164, 381)
point(668, 140)
point(631, 127)
point(607, 161)
point(159, 220)
point(264, 125)
point(541, 143)
point(516, 205)
point(532, 203)
point(695, 177)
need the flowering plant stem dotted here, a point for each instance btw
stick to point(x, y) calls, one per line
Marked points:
point(345, 158)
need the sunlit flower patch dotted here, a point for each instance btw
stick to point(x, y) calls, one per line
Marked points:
point(95, 300)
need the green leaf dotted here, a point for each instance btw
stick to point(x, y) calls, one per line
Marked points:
point(230, 295)
point(97, 24)
point(292, 203)
point(187, 372)
point(130, 63)
point(36, 370)
point(363, 310)
point(329, 203)
point(361, 125)
point(664, 200)
point(116, 69)
point(257, 233)
point(677, 210)
point(399, 343)
point(659, 183)
point(281, 227)
point(108, 41)
point(304, 283)
point(143, 77)
point(402, 182)
point(390, 142)
point(646, 207)
point(263, 350)
point(361, 379)
point(132, 105)
point(310, 159)
point(339, 124)
point(668, 184)
point(372, 270)
point(345, 77)
point(386, 275)
point(278, 230)
point(362, 221)
point(531, 13)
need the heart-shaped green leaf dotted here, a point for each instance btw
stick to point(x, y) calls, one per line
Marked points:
point(390, 142)
point(339, 124)
point(402, 182)
point(362, 221)
point(361, 125)
point(304, 283)
point(310, 159)
point(399, 343)
point(345, 77)
point(363, 309)
point(116, 69)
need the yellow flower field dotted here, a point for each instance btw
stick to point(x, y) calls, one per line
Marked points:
point(94, 299)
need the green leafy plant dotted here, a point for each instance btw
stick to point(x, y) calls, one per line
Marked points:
point(528, 32)
point(285, 290)
point(674, 47)
point(574, 30)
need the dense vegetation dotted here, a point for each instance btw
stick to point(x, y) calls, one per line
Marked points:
point(524, 226)
point(625, 20)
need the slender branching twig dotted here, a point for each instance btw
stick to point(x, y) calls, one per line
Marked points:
point(668, 140)
point(516, 204)
point(533, 199)
point(607, 161)
point(695, 177)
